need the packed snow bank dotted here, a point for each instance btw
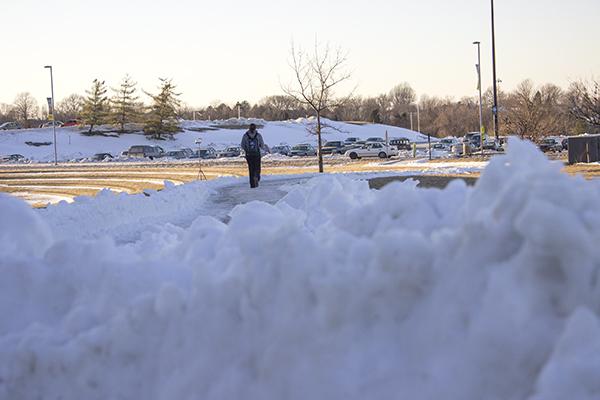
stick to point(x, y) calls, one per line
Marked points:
point(336, 292)
point(125, 217)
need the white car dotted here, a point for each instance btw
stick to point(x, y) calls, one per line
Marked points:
point(9, 125)
point(380, 150)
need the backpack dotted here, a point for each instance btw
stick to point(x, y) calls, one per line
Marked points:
point(253, 146)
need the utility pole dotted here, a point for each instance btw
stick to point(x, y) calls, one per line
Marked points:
point(495, 108)
point(51, 113)
point(478, 66)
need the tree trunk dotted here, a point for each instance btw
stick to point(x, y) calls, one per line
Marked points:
point(319, 143)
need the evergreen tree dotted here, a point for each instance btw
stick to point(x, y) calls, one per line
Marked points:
point(124, 104)
point(95, 105)
point(162, 117)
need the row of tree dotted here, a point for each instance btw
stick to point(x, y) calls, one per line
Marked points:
point(529, 111)
point(159, 119)
point(124, 107)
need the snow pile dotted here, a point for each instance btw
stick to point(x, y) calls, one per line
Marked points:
point(336, 292)
point(124, 216)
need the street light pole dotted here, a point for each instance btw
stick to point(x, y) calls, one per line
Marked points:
point(52, 113)
point(418, 118)
point(478, 66)
point(495, 108)
point(238, 105)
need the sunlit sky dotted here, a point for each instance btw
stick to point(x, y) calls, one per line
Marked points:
point(239, 50)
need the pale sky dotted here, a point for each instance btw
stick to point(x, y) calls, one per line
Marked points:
point(231, 50)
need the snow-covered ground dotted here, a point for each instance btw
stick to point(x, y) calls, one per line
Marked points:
point(72, 145)
point(335, 291)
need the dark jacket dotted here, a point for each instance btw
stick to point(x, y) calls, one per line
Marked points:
point(246, 141)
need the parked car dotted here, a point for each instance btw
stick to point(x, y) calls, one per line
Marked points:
point(373, 149)
point(231, 151)
point(282, 149)
point(550, 144)
point(146, 151)
point(400, 143)
point(351, 140)
point(102, 156)
point(71, 122)
point(176, 154)
point(49, 124)
point(490, 143)
point(188, 152)
point(447, 143)
point(304, 149)
point(12, 157)
point(206, 153)
point(9, 125)
point(375, 140)
point(473, 139)
point(333, 147)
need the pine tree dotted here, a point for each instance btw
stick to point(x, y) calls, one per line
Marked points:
point(95, 105)
point(162, 117)
point(124, 104)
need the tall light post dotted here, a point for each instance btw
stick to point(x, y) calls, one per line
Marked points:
point(418, 118)
point(478, 67)
point(51, 113)
point(495, 108)
point(239, 106)
point(419, 128)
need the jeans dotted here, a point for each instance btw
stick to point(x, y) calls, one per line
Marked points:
point(253, 170)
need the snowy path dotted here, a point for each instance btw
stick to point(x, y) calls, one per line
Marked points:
point(127, 219)
point(228, 197)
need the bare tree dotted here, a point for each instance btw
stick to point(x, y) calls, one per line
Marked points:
point(7, 112)
point(384, 107)
point(532, 113)
point(70, 107)
point(26, 107)
point(370, 111)
point(280, 107)
point(584, 101)
point(317, 76)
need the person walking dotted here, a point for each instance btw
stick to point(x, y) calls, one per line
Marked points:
point(252, 144)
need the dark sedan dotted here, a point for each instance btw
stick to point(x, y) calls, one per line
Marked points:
point(550, 144)
point(333, 147)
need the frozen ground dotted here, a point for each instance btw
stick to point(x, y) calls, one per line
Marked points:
point(40, 184)
point(333, 292)
point(72, 145)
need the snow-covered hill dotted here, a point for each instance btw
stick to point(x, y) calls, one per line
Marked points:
point(74, 145)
